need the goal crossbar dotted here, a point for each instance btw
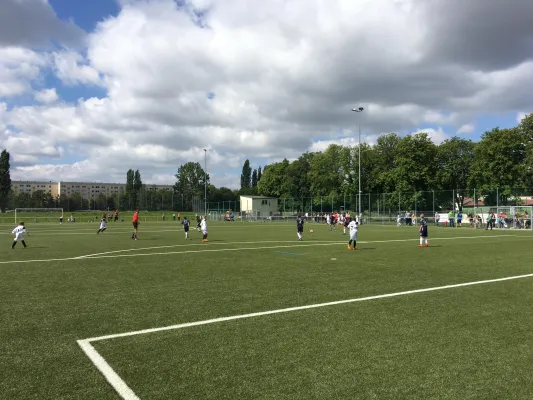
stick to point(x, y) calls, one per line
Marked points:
point(37, 213)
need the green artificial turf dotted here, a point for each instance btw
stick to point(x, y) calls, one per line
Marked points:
point(470, 342)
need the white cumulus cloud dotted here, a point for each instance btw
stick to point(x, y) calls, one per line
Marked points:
point(466, 128)
point(46, 96)
point(263, 82)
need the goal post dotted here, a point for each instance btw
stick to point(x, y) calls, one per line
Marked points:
point(514, 217)
point(38, 214)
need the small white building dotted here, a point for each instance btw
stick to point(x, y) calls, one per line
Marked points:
point(259, 205)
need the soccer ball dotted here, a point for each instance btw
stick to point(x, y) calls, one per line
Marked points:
point(310, 231)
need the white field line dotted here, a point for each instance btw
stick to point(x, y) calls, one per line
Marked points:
point(109, 373)
point(206, 249)
point(298, 308)
point(199, 244)
point(318, 243)
point(127, 393)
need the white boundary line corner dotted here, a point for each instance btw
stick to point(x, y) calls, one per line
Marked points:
point(127, 393)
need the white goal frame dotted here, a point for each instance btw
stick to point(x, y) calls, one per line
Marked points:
point(18, 211)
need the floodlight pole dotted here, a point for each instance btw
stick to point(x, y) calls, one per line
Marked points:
point(205, 182)
point(360, 109)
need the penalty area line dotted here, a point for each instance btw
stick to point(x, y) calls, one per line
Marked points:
point(306, 307)
point(107, 371)
point(127, 393)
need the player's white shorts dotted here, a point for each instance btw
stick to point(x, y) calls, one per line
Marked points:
point(204, 232)
point(353, 236)
point(102, 226)
point(19, 236)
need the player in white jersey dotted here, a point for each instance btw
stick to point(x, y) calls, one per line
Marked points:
point(203, 228)
point(354, 228)
point(19, 232)
point(103, 226)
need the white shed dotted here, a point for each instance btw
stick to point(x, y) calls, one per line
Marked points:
point(259, 205)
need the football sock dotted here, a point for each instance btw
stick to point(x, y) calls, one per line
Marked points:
point(14, 244)
point(23, 243)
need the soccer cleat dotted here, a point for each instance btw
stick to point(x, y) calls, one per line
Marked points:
point(419, 245)
point(427, 244)
point(349, 247)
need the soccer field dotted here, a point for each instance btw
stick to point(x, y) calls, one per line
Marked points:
point(256, 314)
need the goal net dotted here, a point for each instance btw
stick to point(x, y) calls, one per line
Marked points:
point(513, 217)
point(38, 214)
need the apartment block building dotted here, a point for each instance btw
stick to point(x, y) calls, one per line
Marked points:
point(34, 186)
point(87, 190)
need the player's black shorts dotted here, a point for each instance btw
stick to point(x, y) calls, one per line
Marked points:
point(186, 229)
point(300, 228)
point(135, 225)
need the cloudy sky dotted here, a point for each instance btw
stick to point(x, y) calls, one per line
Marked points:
point(89, 89)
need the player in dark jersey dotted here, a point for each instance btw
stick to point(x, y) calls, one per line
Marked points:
point(423, 231)
point(198, 222)
point(186, 225)
point(346, 222)
point(300, 226)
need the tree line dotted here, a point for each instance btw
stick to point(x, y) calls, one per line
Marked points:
point(407, 167)
point(192, 181)
point(411, 168)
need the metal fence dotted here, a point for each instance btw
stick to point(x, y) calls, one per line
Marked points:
point(392, 204)
point(371, 204)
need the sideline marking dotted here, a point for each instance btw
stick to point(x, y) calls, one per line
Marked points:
point(127, 393)
point(288, 253)
point(204, 250)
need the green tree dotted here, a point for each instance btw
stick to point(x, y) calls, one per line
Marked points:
point(326, 174)
point(385, 153)
point(48, 200)
point(22, 200)
point(500, 161)
point(136, 190)
point(5, 180)
point(526, 128)
point(246, 175)
point(259, 174)
point(111, 203)
point(454, 164)
point(298, 181)
point(274, 181)
point(191, 179)
point(130, 177)
point(101, 202)
point(415, 170)
point(254, 178)
point(37, 199)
